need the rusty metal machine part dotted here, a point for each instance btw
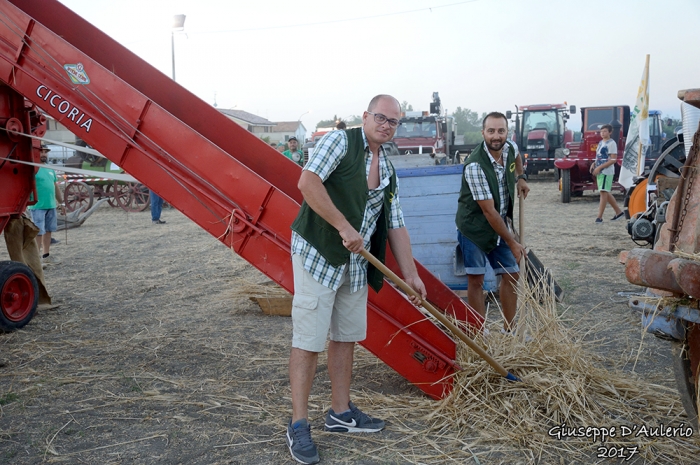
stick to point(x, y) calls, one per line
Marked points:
point(665, 273)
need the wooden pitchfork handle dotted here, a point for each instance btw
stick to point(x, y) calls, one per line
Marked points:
point(442, 318)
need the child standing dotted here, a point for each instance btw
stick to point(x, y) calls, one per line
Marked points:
point(604, 170)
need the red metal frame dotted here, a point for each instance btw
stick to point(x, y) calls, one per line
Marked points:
point(226, 180)
point(16, 179)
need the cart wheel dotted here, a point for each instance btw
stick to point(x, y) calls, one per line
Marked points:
point(19, 295)
point(113, 191)
point(686, 364)
point(77, 195)
point(133, 197)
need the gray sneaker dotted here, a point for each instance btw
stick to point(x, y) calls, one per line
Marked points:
point(300, 444)
point(354, 421)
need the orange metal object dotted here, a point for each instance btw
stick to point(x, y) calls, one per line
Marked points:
point(638, 199)
point(225, 179)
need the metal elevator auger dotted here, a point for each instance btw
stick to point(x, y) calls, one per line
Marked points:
point(223, 178)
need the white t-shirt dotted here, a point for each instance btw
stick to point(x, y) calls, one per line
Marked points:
point(602, 154)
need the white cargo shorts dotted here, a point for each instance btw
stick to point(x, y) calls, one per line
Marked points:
point(317, 308)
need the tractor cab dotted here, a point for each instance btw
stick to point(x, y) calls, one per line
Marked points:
point(541, 134)
point(657, 137)
point(542, 129)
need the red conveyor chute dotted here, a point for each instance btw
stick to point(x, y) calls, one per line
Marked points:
point(225, 179)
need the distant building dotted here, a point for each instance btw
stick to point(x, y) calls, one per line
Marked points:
point(283, 130)
point(258, 125)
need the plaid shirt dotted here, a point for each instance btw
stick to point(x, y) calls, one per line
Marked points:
point(479, 186)
point(326, 157)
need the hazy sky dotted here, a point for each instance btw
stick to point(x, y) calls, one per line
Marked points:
point(282, 59)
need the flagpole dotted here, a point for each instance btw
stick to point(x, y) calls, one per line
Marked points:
point(640, 150)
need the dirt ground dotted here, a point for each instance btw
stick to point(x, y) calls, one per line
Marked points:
point(154, 357)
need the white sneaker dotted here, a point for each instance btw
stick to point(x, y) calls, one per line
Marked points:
point(528, 338)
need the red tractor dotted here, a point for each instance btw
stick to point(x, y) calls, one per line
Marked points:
point(574, 173)
point(541, 134)
point(574, 167)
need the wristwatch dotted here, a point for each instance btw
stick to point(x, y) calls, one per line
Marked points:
point(522, 176)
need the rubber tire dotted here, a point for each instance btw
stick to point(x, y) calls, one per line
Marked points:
point(684, 381)
point(565, 186)
point(16, 276)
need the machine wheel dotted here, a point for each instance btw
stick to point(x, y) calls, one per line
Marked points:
point(670, 161)
point(565, 186)
point(133, 197)
point(19, 295)
point(668, 164)
point(78, 195)
point(636, 199)
point(686, 359)
point(557, 174)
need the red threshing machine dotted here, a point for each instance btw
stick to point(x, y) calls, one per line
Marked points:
point(541, 134)
point(19, 289)
point(215, 172)
point(671, 270)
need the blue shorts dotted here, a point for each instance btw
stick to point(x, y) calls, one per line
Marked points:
point(501, 258)
point(45, 220)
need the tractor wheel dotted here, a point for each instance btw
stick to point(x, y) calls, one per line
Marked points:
point(686, 356)
point(565, 186)
point(19, 295)
point(134, 197)
point(78, 195)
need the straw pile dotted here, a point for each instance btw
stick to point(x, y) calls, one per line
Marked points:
point(566, 389)
point(266, 289)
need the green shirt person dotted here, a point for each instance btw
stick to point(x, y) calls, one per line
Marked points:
point(294, 153)
point(43, 212)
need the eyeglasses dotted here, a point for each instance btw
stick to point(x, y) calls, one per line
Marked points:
point(381, 119)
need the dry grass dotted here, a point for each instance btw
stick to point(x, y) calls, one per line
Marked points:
point(564, 384)
point(688, 256)
point(244, 287)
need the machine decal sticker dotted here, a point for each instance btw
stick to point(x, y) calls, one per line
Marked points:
point(77, 74)
point(64, 107)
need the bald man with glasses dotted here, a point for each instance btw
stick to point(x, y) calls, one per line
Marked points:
point(351, 203)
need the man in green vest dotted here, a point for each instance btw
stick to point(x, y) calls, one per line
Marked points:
point(351, 203)
point(484, 213)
